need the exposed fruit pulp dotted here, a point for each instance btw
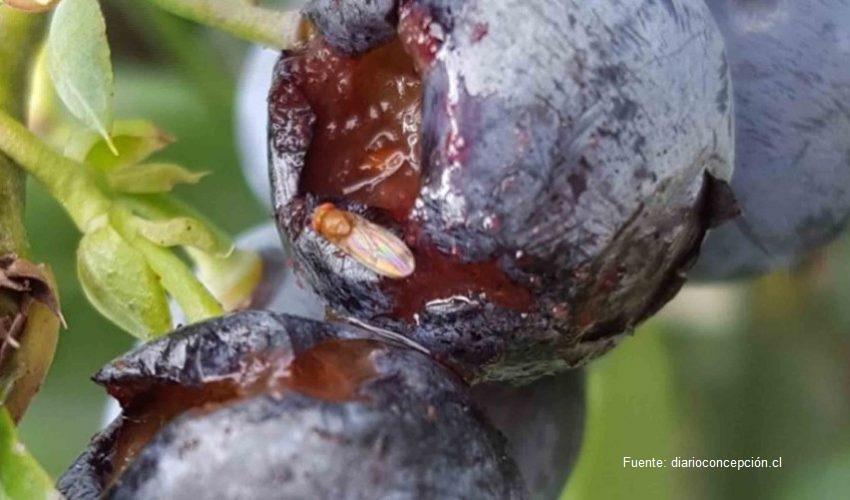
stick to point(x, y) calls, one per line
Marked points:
point(366, 149)
point(438, 276)
point(365, 144)
point(331, 371)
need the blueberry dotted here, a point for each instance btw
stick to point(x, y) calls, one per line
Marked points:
point(544, 424)
point(354, 27)
point(258, 405)
point(543, 421)
point(552, 168)
point(791, 82)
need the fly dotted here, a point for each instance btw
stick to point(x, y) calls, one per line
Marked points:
point(370, 244)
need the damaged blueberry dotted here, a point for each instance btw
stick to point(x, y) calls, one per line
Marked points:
point(258, 405)
point(513, 185)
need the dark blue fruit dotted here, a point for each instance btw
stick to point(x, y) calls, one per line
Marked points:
point(354, 27)
point(544, 424)
point(791, 81)
point(543, 421)
point(552, 167)
point(257, 405)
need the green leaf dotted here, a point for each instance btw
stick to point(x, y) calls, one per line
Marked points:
point(135, 141)
point(151, 178)
point(21, 478)
point(79, 64)
point(232, 276)
point(163, 207)
point(183, 231)
point(24, 365)
point(194, 299)
point(121, 285)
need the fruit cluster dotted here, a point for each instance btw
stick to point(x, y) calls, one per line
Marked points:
point(470, 194)
point(255, 377)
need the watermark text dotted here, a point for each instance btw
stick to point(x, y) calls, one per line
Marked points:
point(701, 463)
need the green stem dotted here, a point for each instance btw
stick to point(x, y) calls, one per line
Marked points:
point(196, 301)
point(68, 181)
point(231, 279)
point(21, 373)
point(20, 35)
point(240, 18)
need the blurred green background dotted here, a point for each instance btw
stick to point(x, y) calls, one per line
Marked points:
point(744, 370)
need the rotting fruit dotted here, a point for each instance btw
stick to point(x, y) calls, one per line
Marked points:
point(258, 405)
point(544, 424)
point(543, 421)
point(551, 166)
point(791, 82)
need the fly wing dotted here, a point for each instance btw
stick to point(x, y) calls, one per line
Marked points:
point(379, 249)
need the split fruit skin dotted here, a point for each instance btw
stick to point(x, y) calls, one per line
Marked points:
point(543, 423)
point(580, 149)
point(791, 82)
point(409, 430)
point(281, 288)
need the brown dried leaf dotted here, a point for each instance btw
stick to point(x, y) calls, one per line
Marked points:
point(22, 285)
point(33, 280)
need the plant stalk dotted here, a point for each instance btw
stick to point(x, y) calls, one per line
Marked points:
point(22, 368)
point(68, 181)
point(20, 35)
point(240, 18)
